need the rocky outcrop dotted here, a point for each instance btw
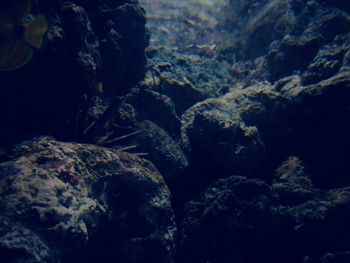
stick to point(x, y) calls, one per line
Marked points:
point(249, 132)
point(66, 202)
point(241, 219)
point(186, 78)
point(278, 38)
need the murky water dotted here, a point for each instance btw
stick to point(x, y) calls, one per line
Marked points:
point(182, 23)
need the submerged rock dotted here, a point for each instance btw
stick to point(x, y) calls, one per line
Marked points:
point(249, 132)
point(234, 220)
point(163, 151)
point(70, 202)
point(275, 39)
point(91, 49)
point(241, 219)
point(186, 78)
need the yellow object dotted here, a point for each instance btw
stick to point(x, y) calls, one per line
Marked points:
point(35, 31)
point(18, 40)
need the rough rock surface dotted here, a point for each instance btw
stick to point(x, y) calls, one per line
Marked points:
point(240, 219)
point(71, 202)
point(251, 131)
point(186, 78)
point(277, 38)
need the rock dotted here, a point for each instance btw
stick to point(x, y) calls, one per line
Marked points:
point(289, 55)
point(220, 137)
point(314, 224)
point(162, 150)
point(296, 53)
point(293, 186)
point(123, 38)
point(53, 93)
point(158, 108)
point(276, 39)
point(186, 78)
point(243, 220)
point(68, 202)
point(318, 112)
point(18, 244)
point(234, 220)
point(326, 64)
point(183, 93)
point(272, 21)
point(251, 132)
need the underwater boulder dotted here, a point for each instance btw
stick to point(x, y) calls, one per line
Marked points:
point(222, 136)
point(286, 37)
point(77, 202)
point(185, 78)
point(315, 120)
point(234, 220)
point(294, 53)
point(251, 132)
point(245, 220)
point(19, 244)
point(328, 62)
point(161, 149)
point(321, 224)
point(156, 107)
point(292, 185)
point(257, 24)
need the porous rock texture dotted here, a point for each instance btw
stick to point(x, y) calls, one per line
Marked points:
point(67, 202)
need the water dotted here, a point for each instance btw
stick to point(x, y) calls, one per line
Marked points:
point(224, 138)
point(180, 23)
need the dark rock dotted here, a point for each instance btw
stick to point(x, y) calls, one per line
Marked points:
point(158, 108)
point(296, 53)
point(256, 24)
point(289, 55)
point(234, 220)
point(162, 150)
point(19, 244)
point(292, 185)
point(318, 113)
point(186, 79)
point(293, 37)
point(84, 203)
point(251, 132)
point(320, 224)
point(241, 219)
point(327, 63)
point(53, 93)
point(220, 135)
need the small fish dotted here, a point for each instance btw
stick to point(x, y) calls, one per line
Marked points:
point(18, 39)
point(189, 22)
